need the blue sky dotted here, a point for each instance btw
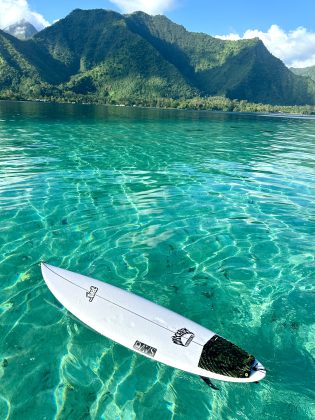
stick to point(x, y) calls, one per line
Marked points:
point(213, 17)
point(286, 27)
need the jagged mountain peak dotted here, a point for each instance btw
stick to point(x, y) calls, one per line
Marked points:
point(21, 29)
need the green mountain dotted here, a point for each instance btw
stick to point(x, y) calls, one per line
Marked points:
point(306, 71)
point(104, 56)
point(26, 69)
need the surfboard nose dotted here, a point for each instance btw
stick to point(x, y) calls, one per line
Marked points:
point(258, 371)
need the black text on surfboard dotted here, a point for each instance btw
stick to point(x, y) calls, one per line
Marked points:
point(144, 348)
point(183, 337)
point(91, 294)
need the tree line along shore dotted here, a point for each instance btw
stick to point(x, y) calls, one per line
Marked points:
point(212, 103)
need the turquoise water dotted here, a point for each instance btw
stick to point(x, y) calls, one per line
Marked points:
point(209, 214)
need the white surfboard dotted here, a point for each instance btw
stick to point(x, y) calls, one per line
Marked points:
point(150, 329)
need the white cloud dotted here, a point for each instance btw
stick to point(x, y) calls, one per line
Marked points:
point(295, 48)
point(12, 11)
point(152, 7)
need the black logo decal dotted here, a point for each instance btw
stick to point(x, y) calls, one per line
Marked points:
point(91, 294)
point(145, 348)
point(183, 337)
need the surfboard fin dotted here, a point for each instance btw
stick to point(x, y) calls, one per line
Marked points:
point(209, 383)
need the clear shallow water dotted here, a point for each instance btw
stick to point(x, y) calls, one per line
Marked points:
point(211, 215)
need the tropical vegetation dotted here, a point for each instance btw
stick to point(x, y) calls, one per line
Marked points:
point(99, 56)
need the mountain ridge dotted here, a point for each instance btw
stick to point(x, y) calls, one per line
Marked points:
point(304, 71)
point(109, 57)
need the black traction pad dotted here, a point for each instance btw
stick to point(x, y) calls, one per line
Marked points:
point(225, 358)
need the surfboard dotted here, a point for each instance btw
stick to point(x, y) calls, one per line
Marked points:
point(150, 329)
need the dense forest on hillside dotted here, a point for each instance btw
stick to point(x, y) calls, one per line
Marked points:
point(99, 56)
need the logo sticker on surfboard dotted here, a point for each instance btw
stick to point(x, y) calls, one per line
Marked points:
point(145, 348)
point(91, 294)
point(183, 337)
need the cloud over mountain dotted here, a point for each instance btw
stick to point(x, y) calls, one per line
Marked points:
point(12, 11)
point(152, 7)
point(295, 48)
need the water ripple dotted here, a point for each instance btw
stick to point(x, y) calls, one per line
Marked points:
point(209, 214)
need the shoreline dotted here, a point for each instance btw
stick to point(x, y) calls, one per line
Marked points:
point(266, 110)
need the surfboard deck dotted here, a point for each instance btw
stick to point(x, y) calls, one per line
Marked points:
point(150, 329)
